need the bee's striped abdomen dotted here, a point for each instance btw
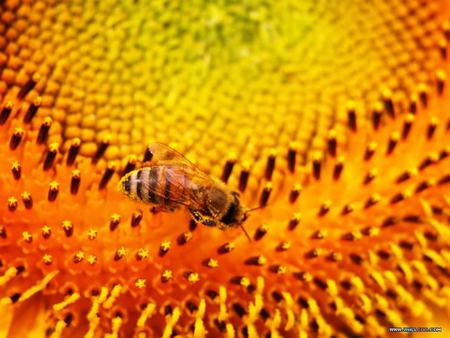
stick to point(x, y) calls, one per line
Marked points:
point(153, 184)
point(160, 185)
point(167, 187)
point(138, 184)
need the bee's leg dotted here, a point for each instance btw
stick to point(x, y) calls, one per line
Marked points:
point(209, 222)
point(222, 226)
point(196, 215)
point(199, 218)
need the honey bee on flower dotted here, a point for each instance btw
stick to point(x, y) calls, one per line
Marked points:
point(170, 181)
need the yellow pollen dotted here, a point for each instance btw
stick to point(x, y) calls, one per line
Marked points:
point(285, 246)
point(193, 277)
point(356, 235)
point(91, 259)
point(92, 315)
point(167, 275)
point(92, 234)
point(307, 277)
point(281, 269)
point(79, 256)
point(54, 185)
point(115, 218)
point(140, 283)
point(67, 225)
point(143, 253)
point(122, 252)
point(115, 292)
point(66, 302)
point(46, 231)
point(260, 284)
point(262, 260)
point(255, 307)
point(8, 275)
point(47, 259)
point(199, 327)
point(146, 313)
point(27, 237)
point(245, 282)
point(116, 324)
point(303, 323)
point(12, 202)
point(229, 246)
point(26, 198)
point(15, 165)
point(289, 306)
point(274, 324)
point(373, 232)
point(76, 173)
point(165, 245)
point(60, 325)
point(38, 287)
point(231, 333)
point(223, 315)
point(212, 263)
point(170, 322)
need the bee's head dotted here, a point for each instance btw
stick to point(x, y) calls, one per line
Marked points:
point(235, 212)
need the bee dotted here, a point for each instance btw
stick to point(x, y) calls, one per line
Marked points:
point(170, 181)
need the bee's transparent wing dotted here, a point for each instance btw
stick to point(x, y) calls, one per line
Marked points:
point(184, 183)
point(186, 171)
point(161, 153)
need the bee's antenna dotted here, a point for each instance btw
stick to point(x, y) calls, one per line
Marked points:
point(245, 232)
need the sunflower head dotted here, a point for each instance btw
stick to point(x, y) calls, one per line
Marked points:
point(332, 118)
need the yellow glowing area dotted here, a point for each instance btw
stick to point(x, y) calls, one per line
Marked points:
point(331, 116)
point(131, 69)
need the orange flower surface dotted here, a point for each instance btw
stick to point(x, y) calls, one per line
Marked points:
point(333, 117)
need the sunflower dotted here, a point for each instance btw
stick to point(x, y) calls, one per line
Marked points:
point(331, 116)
